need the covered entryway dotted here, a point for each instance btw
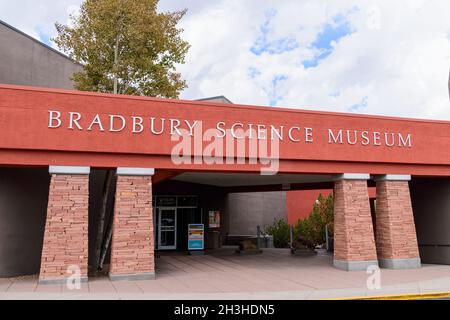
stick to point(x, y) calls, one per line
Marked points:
point(262, 200)
point(172, 215)
point(220, 149)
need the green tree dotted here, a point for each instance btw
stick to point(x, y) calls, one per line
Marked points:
point(125, 47)
point(279, 230)
point(312, 228)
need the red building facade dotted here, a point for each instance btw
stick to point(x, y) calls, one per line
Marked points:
point(151, 140)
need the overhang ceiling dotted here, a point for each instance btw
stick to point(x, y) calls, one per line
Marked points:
point(247, 179)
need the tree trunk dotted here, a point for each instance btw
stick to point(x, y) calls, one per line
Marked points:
point(116, 61)
point(101, 245)
point(107, 241)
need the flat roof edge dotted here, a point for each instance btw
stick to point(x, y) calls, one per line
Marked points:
point(215, 104)
point(37, 41)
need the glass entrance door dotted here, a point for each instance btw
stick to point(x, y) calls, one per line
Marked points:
point(167, 233)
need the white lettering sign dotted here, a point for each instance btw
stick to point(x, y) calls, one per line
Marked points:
point(136, 124)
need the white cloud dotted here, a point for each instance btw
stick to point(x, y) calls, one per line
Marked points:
point(394, 62)
point(37, 18)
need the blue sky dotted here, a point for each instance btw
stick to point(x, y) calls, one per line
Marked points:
point(330, 34)
point(322, 46)
point(364, 56)
point(43, 36)
point(263, 45)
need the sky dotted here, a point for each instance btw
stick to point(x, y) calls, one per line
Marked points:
point(359, 56)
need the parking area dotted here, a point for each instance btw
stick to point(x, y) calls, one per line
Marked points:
point(223, 274)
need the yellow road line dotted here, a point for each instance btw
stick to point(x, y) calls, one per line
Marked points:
point(412, 296)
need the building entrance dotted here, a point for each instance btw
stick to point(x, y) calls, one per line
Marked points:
point(167, 231)
point(172, 215)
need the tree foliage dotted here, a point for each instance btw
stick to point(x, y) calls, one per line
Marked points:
point(312, 228)
point(279, 230)
point(127, 43)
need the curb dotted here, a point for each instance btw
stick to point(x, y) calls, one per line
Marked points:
point(410, 296)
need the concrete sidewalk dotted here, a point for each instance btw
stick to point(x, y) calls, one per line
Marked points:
point(222, 274)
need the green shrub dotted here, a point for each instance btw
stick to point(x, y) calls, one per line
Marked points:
point(312, 228)
point(279, 229)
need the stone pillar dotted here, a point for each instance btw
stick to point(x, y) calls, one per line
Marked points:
point(132, 247)
point(65, 248)
point(395, 229)
point(354, 243)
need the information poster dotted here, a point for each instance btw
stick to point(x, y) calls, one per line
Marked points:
point(196, 237)
point(214, 219)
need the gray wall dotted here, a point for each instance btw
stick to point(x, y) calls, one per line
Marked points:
point(26, 61)
point(431, 205)
point(248, 210)
point(24, 192)
point(23, 211)
point(23, 207)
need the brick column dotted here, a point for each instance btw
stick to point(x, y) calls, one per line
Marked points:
point(395, 229)
point(132, 247)
point(354, 243)
point(65, 246)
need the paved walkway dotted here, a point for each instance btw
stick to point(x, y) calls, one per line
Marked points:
point(222, 274)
